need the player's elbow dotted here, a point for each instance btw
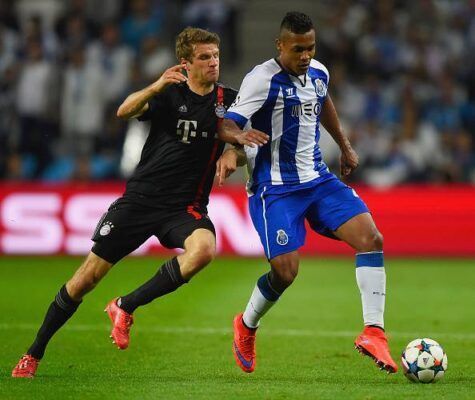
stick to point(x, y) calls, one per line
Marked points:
point(121, 113)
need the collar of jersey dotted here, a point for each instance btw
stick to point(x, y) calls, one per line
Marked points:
point(304, 83)
point(199, 97)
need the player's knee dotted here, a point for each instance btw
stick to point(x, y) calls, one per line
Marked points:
point(207, 251)
point(285, 277)
point(284, 273)
point(378, 241)
point(371, 242)
point(203, 253)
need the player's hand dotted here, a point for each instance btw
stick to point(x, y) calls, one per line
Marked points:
point(251, 138)
point(170, 76)
point(226, 165)
point(348, 161)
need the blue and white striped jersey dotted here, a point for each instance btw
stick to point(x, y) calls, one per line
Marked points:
point(287, 108)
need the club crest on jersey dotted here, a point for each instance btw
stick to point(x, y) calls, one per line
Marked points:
point(320, 88)
point(220, 110)
point(183, 109)
point(106, 228)
point(282, 237)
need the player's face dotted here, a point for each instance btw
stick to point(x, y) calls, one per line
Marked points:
point(296, 50)
point(204, 66)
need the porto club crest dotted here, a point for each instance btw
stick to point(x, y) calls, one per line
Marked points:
point(320, 88)
point(282, 237)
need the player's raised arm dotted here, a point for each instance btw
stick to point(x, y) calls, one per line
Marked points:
point(137, 103)
point(230, 132)
point(329, 119)
point(251, 97)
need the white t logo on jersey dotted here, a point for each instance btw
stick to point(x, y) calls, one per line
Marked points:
point(186, 129)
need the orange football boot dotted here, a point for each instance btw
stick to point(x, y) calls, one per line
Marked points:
point(121, 323)
point(372, 342)
point(244, 345)
point(26, 367)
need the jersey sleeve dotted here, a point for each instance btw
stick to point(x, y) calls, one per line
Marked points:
point(155, 105)
point(251, 97)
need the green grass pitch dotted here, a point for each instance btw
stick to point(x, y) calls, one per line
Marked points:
point(181, 344)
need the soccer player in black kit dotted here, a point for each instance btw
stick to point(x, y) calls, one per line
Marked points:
point(166, 197)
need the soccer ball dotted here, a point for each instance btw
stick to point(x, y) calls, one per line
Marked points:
point(424, 360)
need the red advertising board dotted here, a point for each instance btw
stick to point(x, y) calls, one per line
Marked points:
point(59, 219)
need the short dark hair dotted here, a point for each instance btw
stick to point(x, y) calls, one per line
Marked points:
point(297, 22)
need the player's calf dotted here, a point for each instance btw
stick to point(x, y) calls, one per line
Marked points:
point(87, 276)
point(200, 250)
point(284, 270)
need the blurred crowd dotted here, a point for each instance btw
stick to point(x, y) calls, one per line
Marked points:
point(402, 74)
point(66, 65)
point(402, 77)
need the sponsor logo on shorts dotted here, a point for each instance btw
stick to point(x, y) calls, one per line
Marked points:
point(106, 228)
point(282, 237)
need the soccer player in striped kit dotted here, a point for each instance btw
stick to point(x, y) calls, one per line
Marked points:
point(287, 98)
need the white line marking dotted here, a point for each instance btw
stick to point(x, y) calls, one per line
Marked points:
point(265, 220)
point(226, 331)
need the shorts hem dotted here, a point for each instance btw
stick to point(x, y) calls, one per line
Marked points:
point(95, 252)
point(285, 251)
point(344, 221)
point(209, 226)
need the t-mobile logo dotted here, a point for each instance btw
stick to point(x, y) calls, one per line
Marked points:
point(186, 129)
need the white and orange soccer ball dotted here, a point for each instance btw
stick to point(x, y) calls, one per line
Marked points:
point(424, 360)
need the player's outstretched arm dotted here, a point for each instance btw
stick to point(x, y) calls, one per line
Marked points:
point(229, 132)
point(329, 119)
point(229, 161)
point(137, 103)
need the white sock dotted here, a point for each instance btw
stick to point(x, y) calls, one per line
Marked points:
point(257, 306)
point(259, 303)
point(371, 279)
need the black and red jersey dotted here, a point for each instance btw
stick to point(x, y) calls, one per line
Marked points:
point(178, 160)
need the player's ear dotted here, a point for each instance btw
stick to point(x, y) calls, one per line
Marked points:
point(185, 64)
point(278, 45)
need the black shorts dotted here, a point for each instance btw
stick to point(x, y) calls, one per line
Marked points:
point(127, 225)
